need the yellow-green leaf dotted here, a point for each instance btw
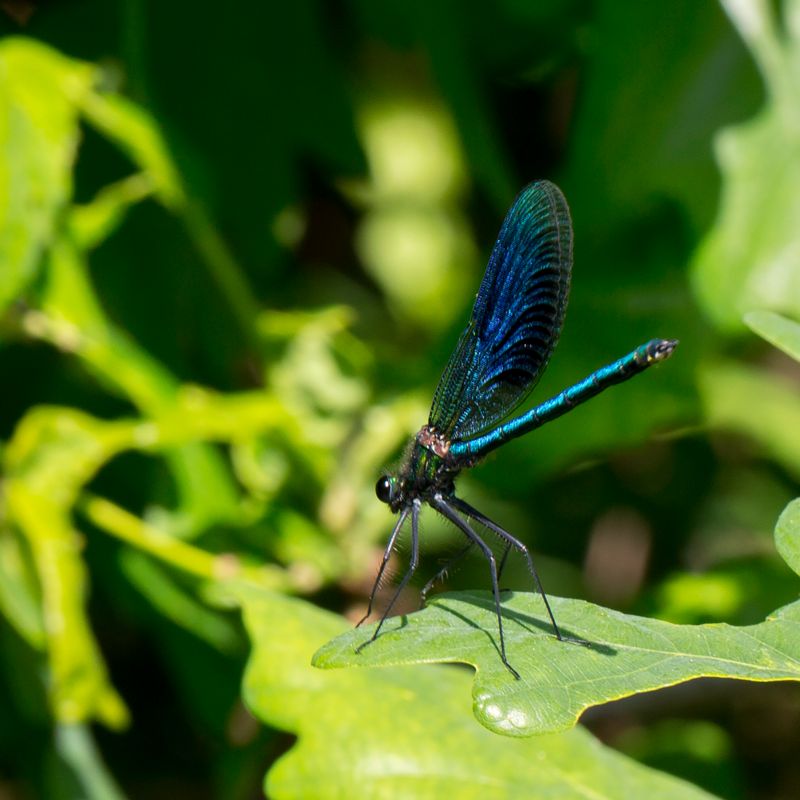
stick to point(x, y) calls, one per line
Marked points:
point(408, 733)
point(749, 258)
point(787, 535)
point(782, 332)
point(52, 454)
point(560, 679)
point(38, 137)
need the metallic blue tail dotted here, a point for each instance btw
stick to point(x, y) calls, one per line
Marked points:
point(621, 370)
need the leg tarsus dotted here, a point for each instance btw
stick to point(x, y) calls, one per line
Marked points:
point(447, 511)
point(412, 568)
point(473, 513)
point(384, 562)
point(423, 595)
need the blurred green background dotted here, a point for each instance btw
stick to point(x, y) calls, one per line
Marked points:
point(238, 244)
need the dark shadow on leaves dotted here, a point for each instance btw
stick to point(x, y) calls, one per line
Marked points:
point(391, 626)
point(525, 621)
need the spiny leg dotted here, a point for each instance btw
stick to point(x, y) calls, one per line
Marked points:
point(449, 513)
point(387, 554)
point(473, 513)
point(440, 575)
point(412, 568)
point(502, 565)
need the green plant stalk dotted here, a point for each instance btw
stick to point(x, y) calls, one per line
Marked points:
point(72, 318)
point(136, 133)
point(77, 748)
point(146, 537)
point(224, 270)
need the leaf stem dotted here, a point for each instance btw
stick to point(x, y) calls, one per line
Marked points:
point(115, 520)
point(224, 269)
point(77, 748)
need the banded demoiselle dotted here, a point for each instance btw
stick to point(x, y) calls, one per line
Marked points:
point(502, 353)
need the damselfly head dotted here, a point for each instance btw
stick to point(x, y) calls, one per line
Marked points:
point(387, 489)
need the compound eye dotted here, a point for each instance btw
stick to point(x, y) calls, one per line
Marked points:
point(384, 488)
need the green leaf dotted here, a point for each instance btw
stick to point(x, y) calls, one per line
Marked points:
point(749, 258)
point(664, 152)
point(560, 680)
point(783, 333)
point(73, 320)
point(20, 602)
point(756, 403)
point(52, 454)
point(407, 733)
point(38, 135)
point(787, 535)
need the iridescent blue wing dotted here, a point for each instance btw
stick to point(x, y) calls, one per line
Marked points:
point(516, 320)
